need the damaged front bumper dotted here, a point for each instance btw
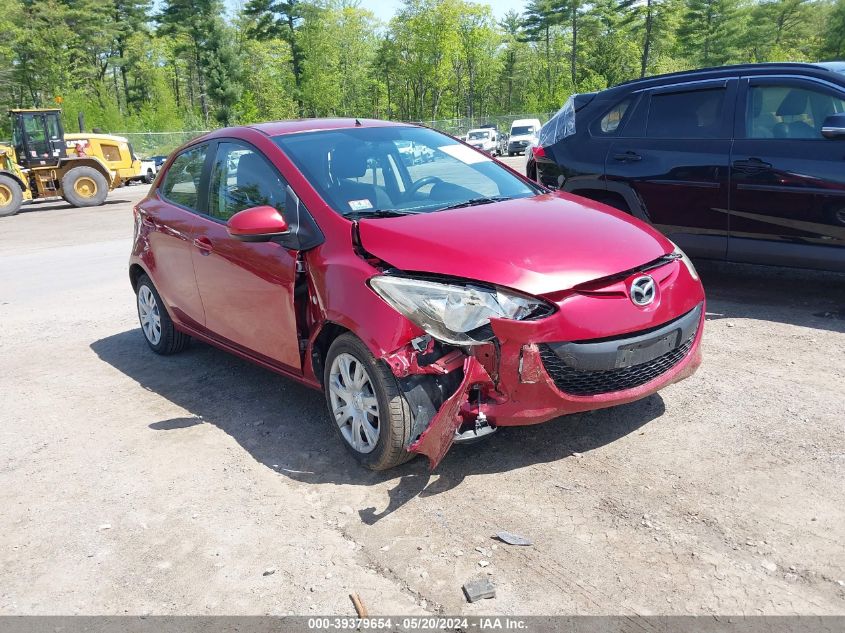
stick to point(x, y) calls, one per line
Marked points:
point(530, 373)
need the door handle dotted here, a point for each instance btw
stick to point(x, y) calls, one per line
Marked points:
point(751, 164)
point(627, 157)
point(204, 245)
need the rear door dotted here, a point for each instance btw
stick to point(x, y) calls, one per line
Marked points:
point(171, 218)
point(787, 180)
point(671, 163)
point(246, 287)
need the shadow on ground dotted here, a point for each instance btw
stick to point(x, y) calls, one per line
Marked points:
point(38, 206)
point(285, 426)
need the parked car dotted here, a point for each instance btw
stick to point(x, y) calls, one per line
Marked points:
point(740, 163)
point(149, 169)
point(504, 137)
point(523, 133)
point(483, 139)
point(430, 309)
point(159, 160)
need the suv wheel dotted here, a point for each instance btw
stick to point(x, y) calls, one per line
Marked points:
point(368, 411)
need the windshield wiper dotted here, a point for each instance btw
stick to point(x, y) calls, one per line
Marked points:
point(377, 213)
point(476, 201)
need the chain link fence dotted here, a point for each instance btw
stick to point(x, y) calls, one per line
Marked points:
point(147, 144)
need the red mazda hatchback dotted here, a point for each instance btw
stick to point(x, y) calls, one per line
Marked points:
point(431, 302)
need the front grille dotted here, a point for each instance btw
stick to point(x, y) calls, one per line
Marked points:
point(579, 382)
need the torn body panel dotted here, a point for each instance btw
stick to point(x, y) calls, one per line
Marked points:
point(437, 438)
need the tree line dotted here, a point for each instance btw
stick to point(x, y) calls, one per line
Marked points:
point(131, 65)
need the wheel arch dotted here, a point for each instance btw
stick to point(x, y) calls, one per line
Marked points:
point(135, 272)
point(90, 161)
point(16, 178)
point(319, 349)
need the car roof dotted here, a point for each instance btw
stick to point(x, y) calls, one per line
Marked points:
point(717, 72)
point(275, 128)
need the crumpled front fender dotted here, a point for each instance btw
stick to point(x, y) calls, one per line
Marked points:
point(436, 440)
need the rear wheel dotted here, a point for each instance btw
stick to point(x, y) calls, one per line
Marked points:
point(157, 326)
point(367, 409)
point(84, 187)
point(149, 177)
point(11, 196)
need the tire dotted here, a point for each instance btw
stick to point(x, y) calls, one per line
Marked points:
point(149, 177)
point(394, 415)
point(510, 154)
point(11, 196)
point(84, 187)
point(170, 340)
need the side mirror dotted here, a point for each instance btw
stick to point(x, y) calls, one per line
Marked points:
point(258, 224)
point(834, 126)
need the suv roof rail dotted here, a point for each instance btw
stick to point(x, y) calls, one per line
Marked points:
point(731, 67)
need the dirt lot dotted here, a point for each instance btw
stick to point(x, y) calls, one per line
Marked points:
point(131, 483)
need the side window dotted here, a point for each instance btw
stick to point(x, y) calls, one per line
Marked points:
point(182, 183)
point(693, 114)
point(242, 178)
point(609, 123)
point(788, 112)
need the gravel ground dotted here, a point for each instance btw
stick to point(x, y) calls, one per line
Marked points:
point(201, 484)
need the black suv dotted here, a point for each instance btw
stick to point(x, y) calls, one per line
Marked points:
point(744, 163)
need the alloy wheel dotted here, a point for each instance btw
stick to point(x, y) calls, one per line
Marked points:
point(149, 315)
point(354, 403)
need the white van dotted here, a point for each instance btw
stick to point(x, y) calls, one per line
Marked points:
point(523, 135)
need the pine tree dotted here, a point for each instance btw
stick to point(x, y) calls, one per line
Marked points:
point(200, 34)
point(268, 19)
point(709, 32)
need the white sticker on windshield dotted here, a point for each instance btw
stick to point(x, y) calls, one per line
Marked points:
point(464, 154)
point(360, 205)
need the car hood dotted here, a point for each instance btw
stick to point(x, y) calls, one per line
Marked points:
point(536, 245)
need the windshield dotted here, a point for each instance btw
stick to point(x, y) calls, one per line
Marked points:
point(360, 171)
point(474, 136)
point(522, 130)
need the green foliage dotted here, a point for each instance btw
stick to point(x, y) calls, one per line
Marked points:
point(190, 66)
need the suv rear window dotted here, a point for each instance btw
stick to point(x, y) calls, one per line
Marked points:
point(693, 114)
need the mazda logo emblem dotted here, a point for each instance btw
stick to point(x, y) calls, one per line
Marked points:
point(642, 290)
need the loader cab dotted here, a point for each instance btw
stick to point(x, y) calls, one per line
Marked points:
point(38, 137)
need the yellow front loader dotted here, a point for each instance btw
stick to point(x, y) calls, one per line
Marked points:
point(39, 165)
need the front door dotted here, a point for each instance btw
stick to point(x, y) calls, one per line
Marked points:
point(670, 163)
point(787, 180)
point(246, 287)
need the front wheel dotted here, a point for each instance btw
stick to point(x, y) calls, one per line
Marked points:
point(368, 411)
point(156, 324)
point(11, 196)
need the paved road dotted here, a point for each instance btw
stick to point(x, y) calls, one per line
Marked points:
point(131, 483)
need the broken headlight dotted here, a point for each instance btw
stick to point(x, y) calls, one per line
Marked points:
point(452, 312)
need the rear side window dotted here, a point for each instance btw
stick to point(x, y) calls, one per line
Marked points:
point(610, 122)
point(693, 114)
point(182, 183)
